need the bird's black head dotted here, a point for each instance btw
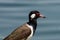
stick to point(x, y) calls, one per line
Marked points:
point(35, 14)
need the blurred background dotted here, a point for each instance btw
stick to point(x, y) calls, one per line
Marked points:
point(14, 13)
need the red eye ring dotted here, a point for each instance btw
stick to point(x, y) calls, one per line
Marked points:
point(37, 14)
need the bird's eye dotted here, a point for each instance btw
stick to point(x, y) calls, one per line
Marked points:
point(33, 16)
point(37, 14)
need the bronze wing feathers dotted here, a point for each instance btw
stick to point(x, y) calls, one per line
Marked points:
point(21, 33)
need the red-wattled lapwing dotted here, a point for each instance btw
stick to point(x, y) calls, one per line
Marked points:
point(27, 30)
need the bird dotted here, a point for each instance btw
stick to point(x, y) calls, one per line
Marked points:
point(27, 30)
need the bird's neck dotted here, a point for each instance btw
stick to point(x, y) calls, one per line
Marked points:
point(33, 23)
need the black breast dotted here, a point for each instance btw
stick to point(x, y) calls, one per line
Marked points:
point(33, 24)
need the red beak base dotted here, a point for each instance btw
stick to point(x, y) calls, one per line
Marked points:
point(42, 16)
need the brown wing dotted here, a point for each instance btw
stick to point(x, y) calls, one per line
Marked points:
point(21, 33)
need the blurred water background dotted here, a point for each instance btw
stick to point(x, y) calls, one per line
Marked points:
point(14, 13)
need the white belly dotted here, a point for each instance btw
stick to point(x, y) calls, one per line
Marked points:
point(29, 37)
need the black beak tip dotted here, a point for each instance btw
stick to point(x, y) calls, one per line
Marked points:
point(44, 17)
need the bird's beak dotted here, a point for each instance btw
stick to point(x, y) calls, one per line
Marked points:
point(42, 16)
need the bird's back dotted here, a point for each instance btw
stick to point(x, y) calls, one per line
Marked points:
point(21, 33)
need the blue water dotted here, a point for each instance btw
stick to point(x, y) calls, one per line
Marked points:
point(14, 13)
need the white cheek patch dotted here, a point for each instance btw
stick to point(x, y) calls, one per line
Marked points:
point(33, 16)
